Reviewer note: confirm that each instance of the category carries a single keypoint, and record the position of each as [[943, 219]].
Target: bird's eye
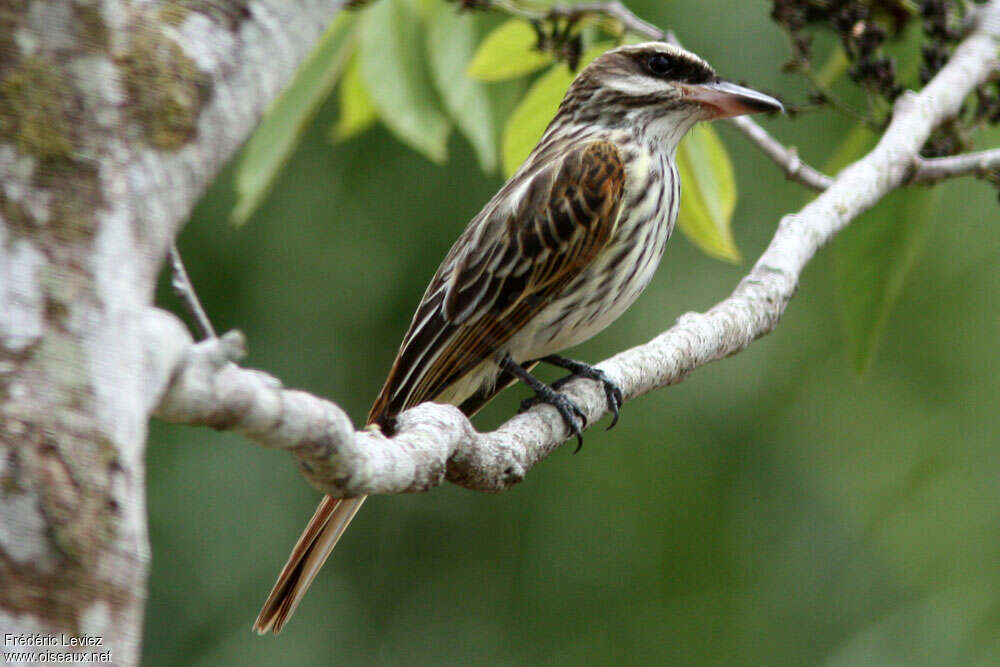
[[659, 64]]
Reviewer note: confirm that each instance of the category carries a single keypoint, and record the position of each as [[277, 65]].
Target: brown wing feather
[[492, 284]]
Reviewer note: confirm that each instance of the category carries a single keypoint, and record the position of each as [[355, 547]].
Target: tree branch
[[786, 158], [925, 170], [932, 170], [613, 10], [436, 442]]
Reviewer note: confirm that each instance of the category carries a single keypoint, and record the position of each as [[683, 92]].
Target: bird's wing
[[502, 272]]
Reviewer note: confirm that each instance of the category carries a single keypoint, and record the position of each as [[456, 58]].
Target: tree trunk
[[114, 116]]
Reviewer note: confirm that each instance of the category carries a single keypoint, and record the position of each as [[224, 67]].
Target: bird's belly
[[599, 295], [585, 307]]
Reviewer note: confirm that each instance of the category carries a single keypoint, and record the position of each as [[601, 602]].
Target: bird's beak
[[722, 99]]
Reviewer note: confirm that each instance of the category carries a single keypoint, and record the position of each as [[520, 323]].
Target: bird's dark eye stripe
[[677, 68]]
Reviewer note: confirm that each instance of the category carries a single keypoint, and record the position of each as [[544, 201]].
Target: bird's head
[[659, 89]]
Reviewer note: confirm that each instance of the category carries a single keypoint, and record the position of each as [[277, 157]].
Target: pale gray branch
[[184, 289], [437, 442], [932, 170], [614, 10], [786, 158], [925, 170]]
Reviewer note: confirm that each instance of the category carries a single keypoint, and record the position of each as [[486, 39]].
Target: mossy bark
[[113, 118]]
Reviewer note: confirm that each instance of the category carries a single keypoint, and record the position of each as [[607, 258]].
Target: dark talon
[[578, 369], [615, 399], [567, 409]]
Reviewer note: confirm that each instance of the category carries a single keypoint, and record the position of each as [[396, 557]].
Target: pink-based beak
[[722, 99]]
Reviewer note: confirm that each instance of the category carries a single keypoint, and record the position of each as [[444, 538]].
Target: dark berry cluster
[[943, 23], [870, 67], [794, 16], [988, 103], [865, 28]]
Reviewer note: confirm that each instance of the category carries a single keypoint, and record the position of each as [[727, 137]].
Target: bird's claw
[[568, 410], [612, 392]]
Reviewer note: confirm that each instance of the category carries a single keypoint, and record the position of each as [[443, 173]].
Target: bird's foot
[[570, 412], [578, 369]]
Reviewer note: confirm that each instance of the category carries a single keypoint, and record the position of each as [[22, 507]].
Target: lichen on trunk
[[111, 125]]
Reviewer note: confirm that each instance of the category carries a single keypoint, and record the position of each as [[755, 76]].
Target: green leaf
[[357, 111], [875, 253], [873, 257], [508, 52], [392, 67], [451, 39], [279, 132], [709, 193], [528, 121]]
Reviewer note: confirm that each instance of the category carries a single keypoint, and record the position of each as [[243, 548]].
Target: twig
[[827, 96], [613, 10], [926, 171], [184, 290], [436, 442], [786, 158], [932, 170]]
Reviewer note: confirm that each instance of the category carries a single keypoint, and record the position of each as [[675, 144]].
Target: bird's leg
[[568, 410], [578, 369]]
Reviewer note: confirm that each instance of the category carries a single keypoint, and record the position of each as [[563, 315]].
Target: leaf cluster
[[424, 67]]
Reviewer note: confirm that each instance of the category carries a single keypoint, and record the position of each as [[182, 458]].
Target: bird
[[563, 248]]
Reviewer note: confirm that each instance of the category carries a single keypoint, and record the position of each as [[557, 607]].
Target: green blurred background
[[775, 508]]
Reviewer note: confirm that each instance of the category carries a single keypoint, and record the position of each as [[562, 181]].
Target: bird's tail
[[317, 541], [332, 518]]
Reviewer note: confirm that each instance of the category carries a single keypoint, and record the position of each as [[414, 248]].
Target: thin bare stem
[[786, 158], [184, 290], [932, 170], [615, 11]]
